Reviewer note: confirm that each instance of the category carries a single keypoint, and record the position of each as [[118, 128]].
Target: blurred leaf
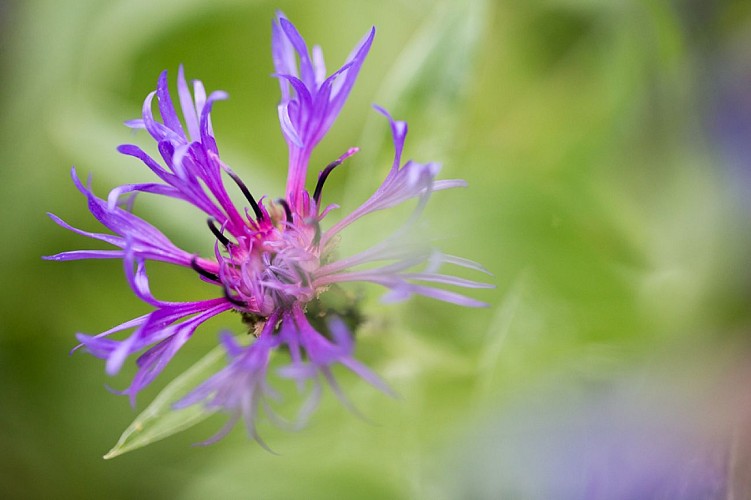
[[428, 83], [495, 338], [159, 420], [434, 69]]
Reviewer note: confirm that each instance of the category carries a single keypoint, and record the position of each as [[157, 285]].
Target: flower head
[[272, 260]]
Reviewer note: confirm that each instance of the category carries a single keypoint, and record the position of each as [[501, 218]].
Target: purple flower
[[273, 261]]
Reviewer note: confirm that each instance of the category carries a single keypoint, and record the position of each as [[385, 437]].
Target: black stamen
[[322, 178], [234, 300], [222, 239], [248, 196], [287, 211], [203, 272]]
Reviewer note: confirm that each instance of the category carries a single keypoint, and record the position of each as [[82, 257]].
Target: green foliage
[[159, 420], [597, 198]]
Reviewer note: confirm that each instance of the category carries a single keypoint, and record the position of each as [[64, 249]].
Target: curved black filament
[[203, 272], [248, 196], [233, 300], [219, 236], [287, 211], [322, 176]]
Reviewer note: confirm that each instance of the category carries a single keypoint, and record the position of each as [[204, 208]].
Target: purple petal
[[399, 134], [283, 53], [187, 105], [307, 74], [150, 187], [135, 151], [207, 137], [310, 102], [166, 109], [85, 254], [288, 129], [146, 239], [111, 239], [156, 359]]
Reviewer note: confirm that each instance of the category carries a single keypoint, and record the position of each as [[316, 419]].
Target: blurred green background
[[607, 150]]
